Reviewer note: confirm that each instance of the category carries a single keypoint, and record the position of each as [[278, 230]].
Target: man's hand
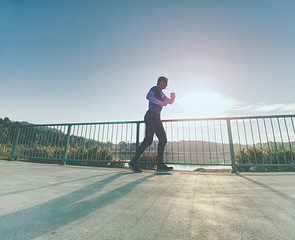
[[172, 95]]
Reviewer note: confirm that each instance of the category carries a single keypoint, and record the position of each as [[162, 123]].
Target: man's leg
[[148, 139], [161, 134]]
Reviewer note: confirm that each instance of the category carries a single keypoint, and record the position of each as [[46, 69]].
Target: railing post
[[12, 158], [64, 161], [137, 135], [231, 146]]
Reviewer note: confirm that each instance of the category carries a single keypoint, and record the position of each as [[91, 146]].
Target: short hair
[[162, 78]]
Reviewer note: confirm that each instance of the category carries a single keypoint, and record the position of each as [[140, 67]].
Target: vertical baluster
[[274, 137], [287, 130], [284, 153], [202, 142], [261, 147], [254, 147], [209, 147], [215, 138], [267, 139]]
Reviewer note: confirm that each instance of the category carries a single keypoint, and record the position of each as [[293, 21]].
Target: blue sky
[[91, 61]]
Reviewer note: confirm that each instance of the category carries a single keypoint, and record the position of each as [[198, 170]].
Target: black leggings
[[153, 125]]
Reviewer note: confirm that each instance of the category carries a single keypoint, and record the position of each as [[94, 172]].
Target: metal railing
[[240, 142], [265, 141]]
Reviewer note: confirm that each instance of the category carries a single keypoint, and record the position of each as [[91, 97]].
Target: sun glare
[[203, 104]]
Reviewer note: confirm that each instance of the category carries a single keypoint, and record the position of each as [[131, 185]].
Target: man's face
[[163, 84]]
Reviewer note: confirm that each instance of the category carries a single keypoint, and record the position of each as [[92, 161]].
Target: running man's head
[[162, 82]]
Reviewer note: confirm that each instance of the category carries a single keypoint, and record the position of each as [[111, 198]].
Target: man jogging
[[152, 119]]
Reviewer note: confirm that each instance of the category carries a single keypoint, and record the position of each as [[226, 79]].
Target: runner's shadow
[[279, 193], [162, 173], [46, 217]]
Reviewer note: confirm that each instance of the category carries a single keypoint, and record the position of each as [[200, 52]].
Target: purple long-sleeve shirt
[[157, 100]]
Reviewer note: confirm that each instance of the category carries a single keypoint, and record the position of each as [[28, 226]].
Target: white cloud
[[269, 108], [263, 108], [289, 107]]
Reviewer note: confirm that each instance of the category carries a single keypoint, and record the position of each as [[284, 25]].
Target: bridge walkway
[[43, 201]]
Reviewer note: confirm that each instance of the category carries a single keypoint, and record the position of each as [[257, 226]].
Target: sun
[[202, 104]]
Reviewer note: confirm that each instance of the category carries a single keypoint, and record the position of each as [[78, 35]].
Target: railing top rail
[[137, 122], [66, 124], [229, 118]]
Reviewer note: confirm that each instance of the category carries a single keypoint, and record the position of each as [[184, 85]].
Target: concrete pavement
[[43, 201]]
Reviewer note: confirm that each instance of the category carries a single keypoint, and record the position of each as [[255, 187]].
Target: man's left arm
[[169, 100]]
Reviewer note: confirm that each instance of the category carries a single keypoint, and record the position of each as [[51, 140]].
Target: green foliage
[[47, 145], [148, 160], [275, 155], [78, 155], [6, 120]]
